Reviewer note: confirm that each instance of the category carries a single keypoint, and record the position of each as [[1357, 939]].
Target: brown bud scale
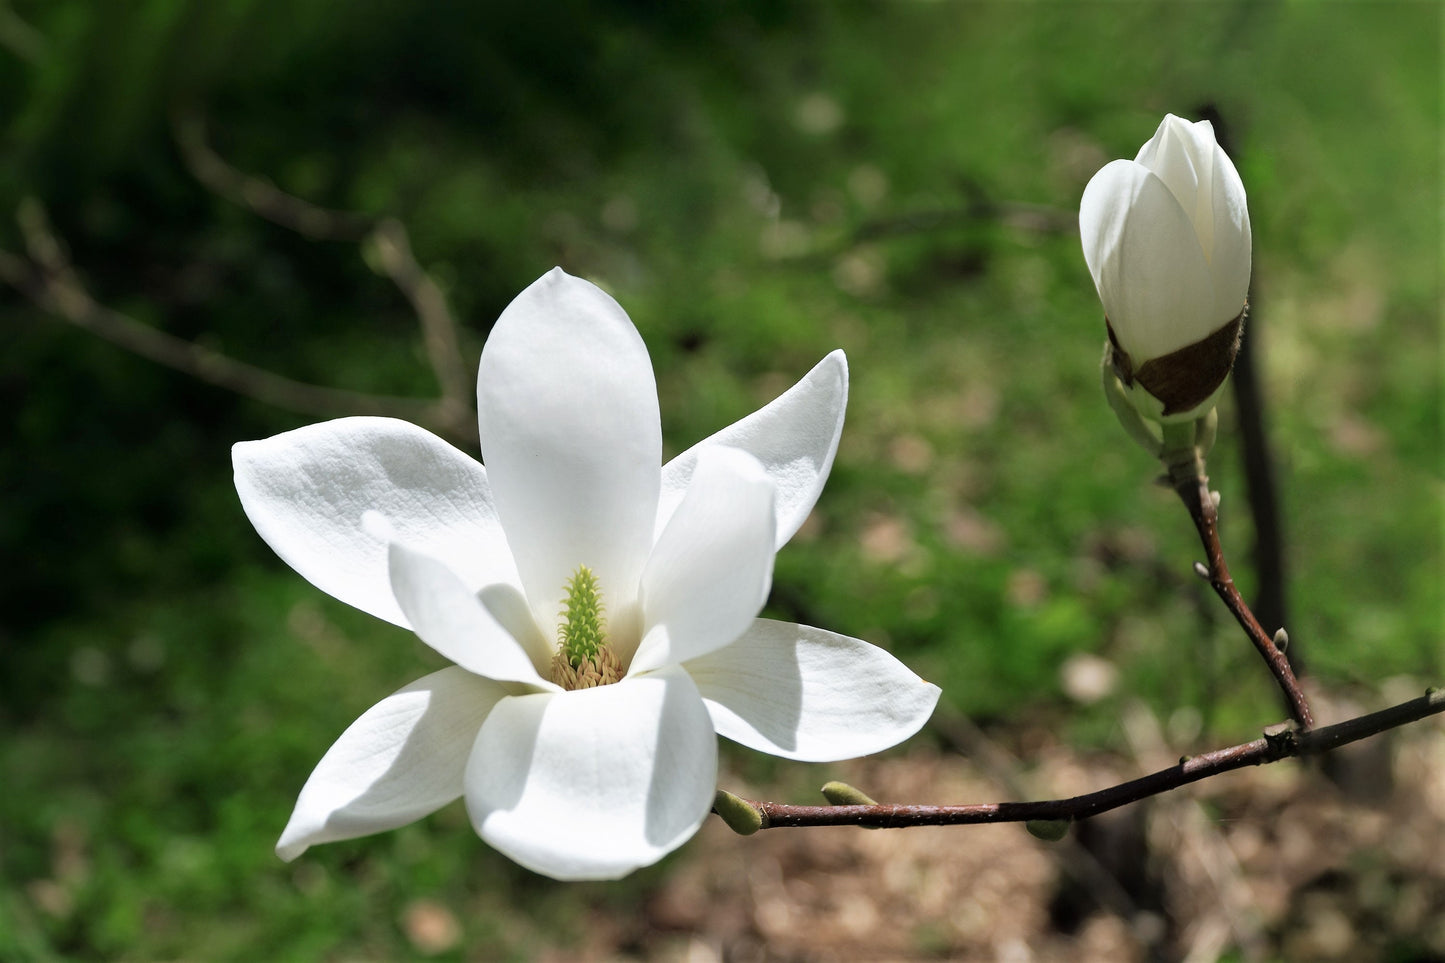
[[1185, 378]]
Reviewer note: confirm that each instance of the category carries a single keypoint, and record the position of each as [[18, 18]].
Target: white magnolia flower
[[600, 607], [1166, 237]]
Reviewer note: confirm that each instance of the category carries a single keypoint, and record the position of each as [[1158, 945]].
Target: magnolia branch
[[47, 279], [1278, 742], [1192, 485], [387, 237]]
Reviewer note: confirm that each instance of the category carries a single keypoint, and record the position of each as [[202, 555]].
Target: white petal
[[306, 491], [710, 572], [402, 759], [571, 436], [595, 783], [455, 622], [1146, 261], [795, 436], [1182, 155], [1230, 260], [803, 693]]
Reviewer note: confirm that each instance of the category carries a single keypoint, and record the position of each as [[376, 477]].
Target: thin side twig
[[387, 236], [258, 195], [48, 280], [1279, 742], [439, 328], [1192, 485]]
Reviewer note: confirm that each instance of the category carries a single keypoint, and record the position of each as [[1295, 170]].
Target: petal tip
[[288, 847], [837, 365], [934, 690]]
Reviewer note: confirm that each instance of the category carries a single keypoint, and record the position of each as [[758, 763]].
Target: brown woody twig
[[387, 237], [48, 279], [1278, 742], [1187, 476]]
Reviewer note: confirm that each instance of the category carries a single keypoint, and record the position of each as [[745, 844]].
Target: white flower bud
[[1166, 237]]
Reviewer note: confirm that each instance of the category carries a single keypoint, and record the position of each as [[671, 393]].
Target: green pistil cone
[[582, 636]]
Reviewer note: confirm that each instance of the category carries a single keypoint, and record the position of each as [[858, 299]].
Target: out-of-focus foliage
[[757, 183]]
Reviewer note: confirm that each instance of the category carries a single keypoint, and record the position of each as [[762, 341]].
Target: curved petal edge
[[400, 760], [795, 436], [710, 572], [307, 490], [809, 694], [570, 799], [572, 437]]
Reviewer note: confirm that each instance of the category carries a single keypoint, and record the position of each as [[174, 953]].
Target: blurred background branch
[[385, 238], [49, 280], [19, 37]]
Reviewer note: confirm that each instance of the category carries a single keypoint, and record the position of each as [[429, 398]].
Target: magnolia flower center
[[583, 658]]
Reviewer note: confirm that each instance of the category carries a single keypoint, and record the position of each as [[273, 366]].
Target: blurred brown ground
[[1299, 862]]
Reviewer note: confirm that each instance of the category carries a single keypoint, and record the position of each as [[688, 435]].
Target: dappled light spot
[[430, 927], [1026, 588], [90, 666], [911, 454], [1086, 678], [1354, 436], [784, 239], [969, 530], [818, 113], [868, 185], [886, 539], [861, 272]]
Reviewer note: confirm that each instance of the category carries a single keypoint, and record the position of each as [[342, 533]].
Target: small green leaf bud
[[741, 816], [842, 794]]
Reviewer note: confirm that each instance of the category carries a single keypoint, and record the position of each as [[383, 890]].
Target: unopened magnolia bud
[[1167, 240]]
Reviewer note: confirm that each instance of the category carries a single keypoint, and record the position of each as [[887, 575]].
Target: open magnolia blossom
[[600, 608], [1167, 240]]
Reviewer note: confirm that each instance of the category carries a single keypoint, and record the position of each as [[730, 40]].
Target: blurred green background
[[757, 183]]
